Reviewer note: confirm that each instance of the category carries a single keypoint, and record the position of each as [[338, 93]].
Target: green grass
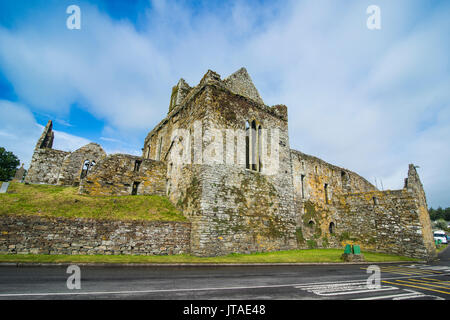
[[441, 247], [291, 256], [57, 201]]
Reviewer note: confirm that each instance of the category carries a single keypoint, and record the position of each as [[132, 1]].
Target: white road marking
[[403, 296], [343, 289], [296, 285], [139, 291], [162, 290], [428, 267]]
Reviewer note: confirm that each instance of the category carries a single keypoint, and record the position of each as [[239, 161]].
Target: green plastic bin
[[348, 249]]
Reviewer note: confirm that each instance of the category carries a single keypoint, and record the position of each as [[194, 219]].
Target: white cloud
[[114, 70], [67, 142], [19, 132], [370, 101]]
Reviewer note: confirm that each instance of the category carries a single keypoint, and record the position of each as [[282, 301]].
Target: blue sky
[[372, 101]]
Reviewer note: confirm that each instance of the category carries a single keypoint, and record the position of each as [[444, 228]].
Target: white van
[[440, 235]]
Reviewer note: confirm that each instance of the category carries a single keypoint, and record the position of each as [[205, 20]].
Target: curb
[[64, 264]]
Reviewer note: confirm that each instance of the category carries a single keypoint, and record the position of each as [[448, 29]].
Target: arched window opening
[[137, 165], [326, 193], [85, 169], [253, 143], [332, 228], [253, 146], [311, 224], [247, 145], [375, 201], [135, 187], [259, 148], [92, 164]]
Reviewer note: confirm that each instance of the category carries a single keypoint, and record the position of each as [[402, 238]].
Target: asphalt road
[[404, 281]]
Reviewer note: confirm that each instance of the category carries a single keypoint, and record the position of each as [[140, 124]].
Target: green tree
[[447, 214], [432, 213], [8, 164], [441, 224]]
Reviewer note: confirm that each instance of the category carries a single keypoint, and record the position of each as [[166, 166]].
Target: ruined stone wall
[[42, 235], [50, 166], [383, 221], [116, 174], [414, 185], [45, 166], [242, 211], [46, 162], [395, 222], [72, 166], [318, 173], [316, 186]]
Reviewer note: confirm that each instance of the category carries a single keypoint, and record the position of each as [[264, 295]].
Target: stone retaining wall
[[42, 235]]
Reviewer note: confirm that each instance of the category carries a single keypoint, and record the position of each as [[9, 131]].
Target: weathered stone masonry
[[51, 166], [236, 203], [43, 235]]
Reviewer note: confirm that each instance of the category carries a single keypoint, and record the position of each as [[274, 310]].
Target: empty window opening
[[159, 149], [375, 200], [311, 224], [259, 148], [302, 177], [253, 146], [137, 165], [316, 170], [148, 152], [247, 145], [253, 143], [332, 227], [84, 169], [344, 178], [135, 187], [326, 193]]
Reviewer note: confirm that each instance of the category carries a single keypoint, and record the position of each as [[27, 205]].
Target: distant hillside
[[57, 201]]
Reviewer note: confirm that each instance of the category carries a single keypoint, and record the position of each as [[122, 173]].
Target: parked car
[[440, 235]]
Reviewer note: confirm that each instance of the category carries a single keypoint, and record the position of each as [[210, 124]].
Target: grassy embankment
[[55, 201], [291, 256]]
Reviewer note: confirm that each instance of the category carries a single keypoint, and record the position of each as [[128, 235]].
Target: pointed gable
[[241, 83]]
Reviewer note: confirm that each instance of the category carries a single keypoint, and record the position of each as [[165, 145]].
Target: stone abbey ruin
[[223, 157]]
